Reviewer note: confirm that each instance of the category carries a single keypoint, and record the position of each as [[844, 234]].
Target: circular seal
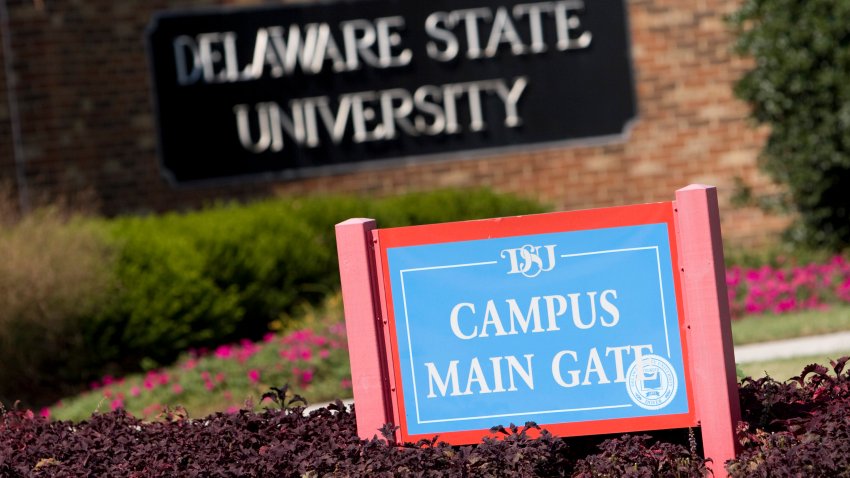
[[653, 385]]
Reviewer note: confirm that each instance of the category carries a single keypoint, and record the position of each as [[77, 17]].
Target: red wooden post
[[708, 324], [363, 324]]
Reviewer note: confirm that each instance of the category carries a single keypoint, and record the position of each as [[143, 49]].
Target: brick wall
[[86, 121], [7, 155]]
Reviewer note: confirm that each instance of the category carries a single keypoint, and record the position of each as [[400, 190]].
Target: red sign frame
[[696, 247], [522, 226]]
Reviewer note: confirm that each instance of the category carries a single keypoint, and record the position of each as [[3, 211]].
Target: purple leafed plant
[[797, 428]]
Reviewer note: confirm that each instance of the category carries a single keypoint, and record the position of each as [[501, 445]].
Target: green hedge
[[201, 278], [198, 279]]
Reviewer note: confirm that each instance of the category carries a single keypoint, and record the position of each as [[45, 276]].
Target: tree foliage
[[800, 87]]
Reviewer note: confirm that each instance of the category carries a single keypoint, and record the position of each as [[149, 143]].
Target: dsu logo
[[528, 261]]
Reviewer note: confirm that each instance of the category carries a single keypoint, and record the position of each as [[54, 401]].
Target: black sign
[[296, 90]]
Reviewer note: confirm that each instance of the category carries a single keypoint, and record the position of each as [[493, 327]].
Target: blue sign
[[554, 328]]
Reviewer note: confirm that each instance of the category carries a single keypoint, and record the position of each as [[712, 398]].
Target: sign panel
[[573, 328], [287, 91]]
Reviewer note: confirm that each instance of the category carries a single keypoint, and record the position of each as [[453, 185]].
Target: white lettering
[[609, 307], [358, 45], [594, 365], [524, 321], [432, 27], [470, 17], [526, 374], [434, 378], [243, 127], [374, 116], [188, 72], [511, 97], [491, 317], [565, 23], [551, 313], [534, 12], [618, 361], [503, 32], [476, 375], [388, 39], [556, 369], [478, 379], [453, 320]]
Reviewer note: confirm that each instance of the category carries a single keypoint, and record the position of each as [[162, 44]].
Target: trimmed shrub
[[204, 278]]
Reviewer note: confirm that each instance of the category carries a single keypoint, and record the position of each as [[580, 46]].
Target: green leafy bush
[[800, 87], [203, 278]]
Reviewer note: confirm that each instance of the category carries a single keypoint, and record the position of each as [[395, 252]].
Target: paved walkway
[[838, 343]]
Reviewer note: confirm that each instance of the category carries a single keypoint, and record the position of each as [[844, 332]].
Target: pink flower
[[223, 351], [299, 335], [269, 337], [177, 389], [44, 413], [254, 375], [788, 287], [116, 404], [232, 409], [785, 305], [134, 391]]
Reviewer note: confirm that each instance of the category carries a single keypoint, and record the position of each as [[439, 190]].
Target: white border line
[[587, 409], [407, 320], [419, 421]]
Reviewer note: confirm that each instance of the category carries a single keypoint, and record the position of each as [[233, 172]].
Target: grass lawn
[[783, 369], [764, 328], [768, 327]]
